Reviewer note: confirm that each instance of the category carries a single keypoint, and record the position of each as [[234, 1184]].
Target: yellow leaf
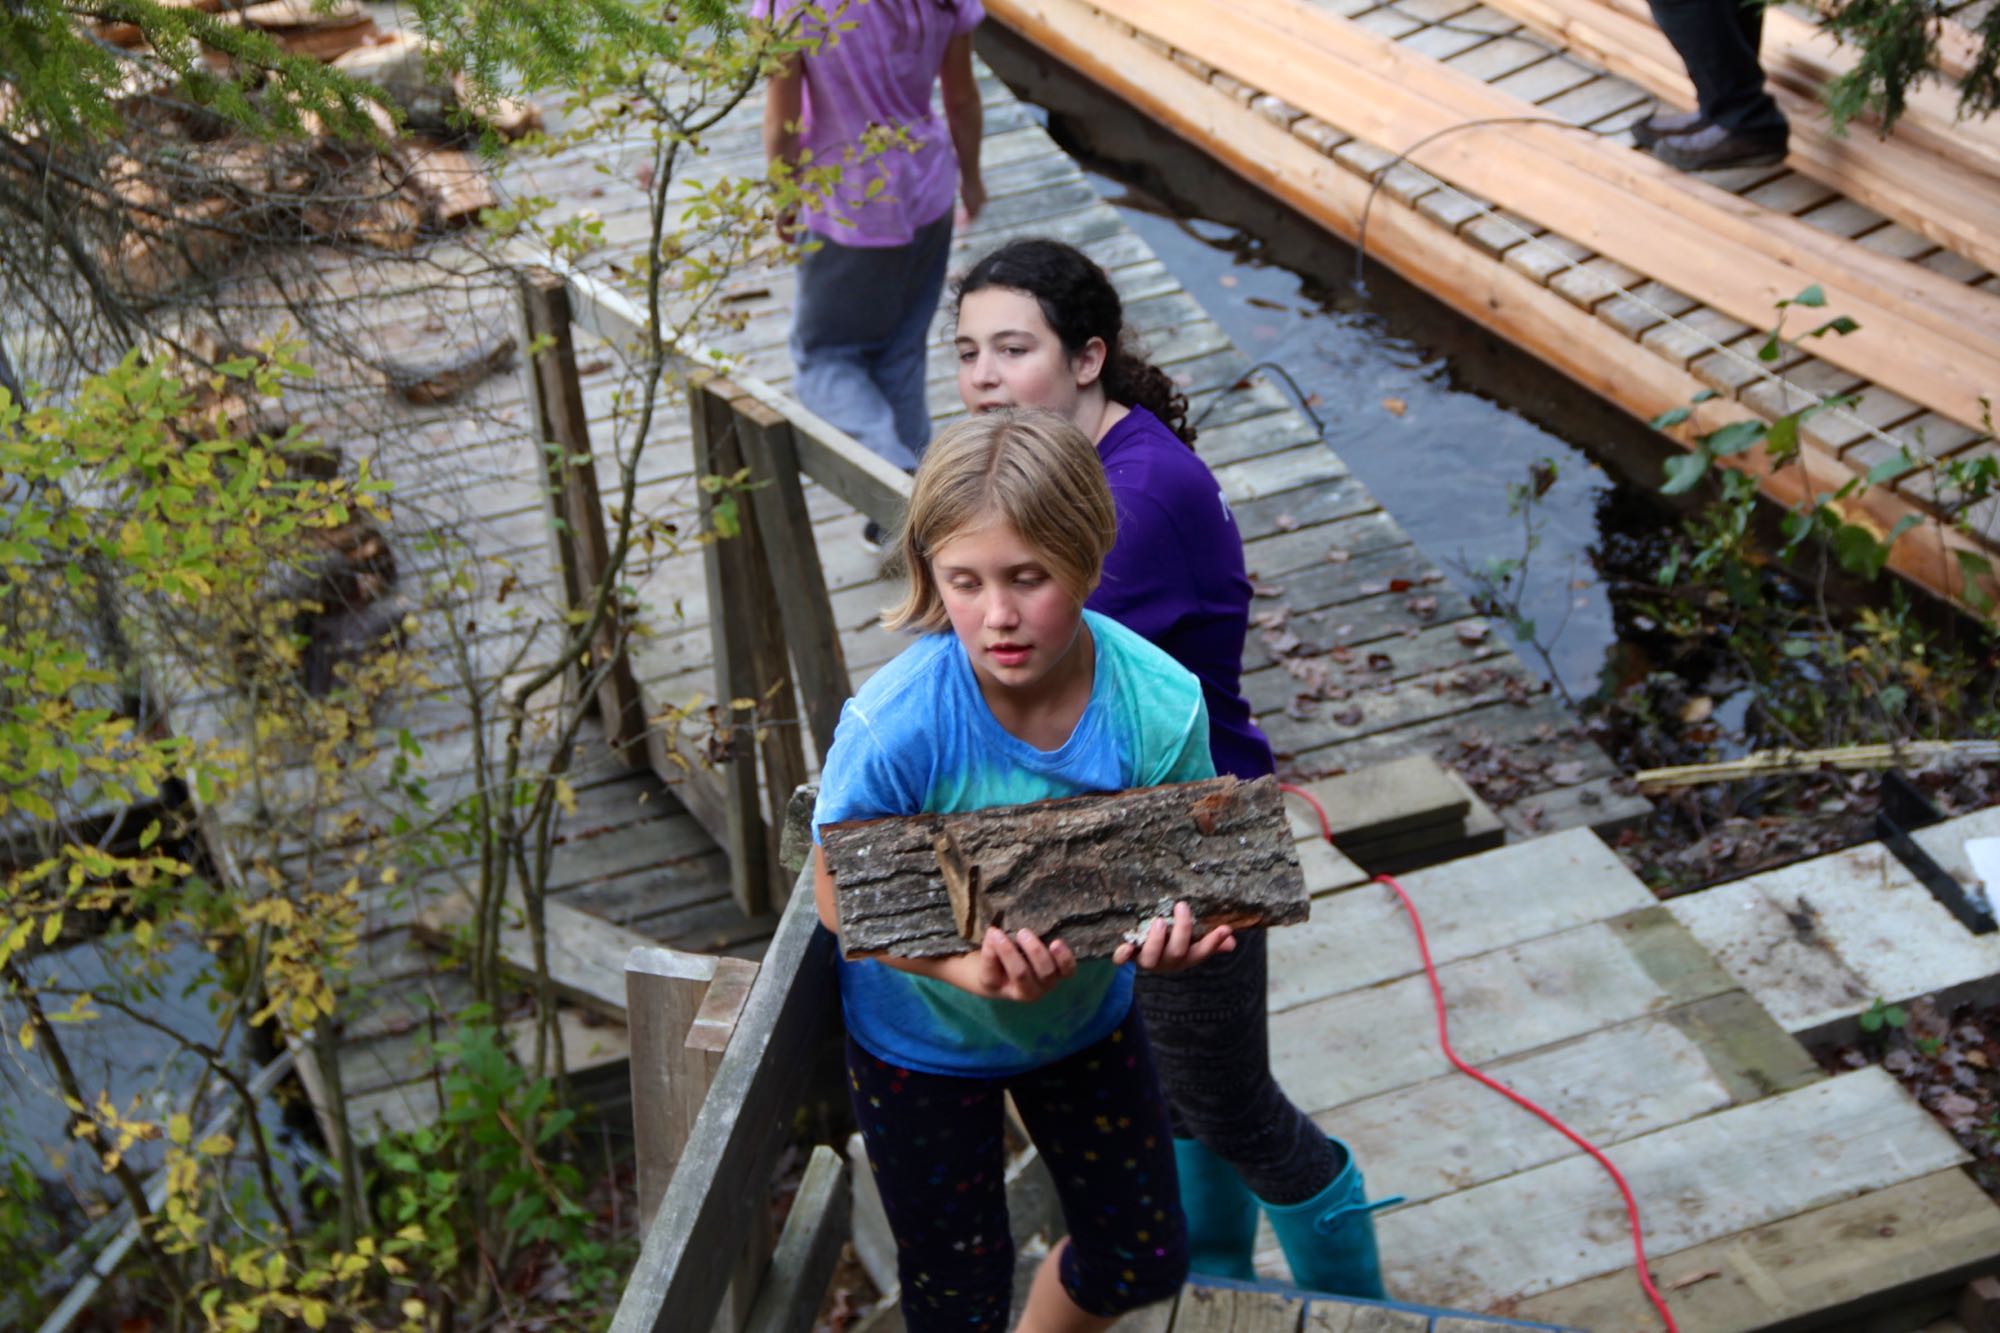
[[314, 1313], [28, 1035], [565, 796], [215, 1145], [179, 1129], [51, 928]]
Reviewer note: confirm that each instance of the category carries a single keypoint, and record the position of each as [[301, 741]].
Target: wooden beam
[[802, 1266], [785, 528], [676, 1284], [1498, 297], [577, 510], [1932, 340], [733, 593]]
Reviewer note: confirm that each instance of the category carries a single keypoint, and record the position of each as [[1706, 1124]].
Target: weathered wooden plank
[[1609, 1085], [1504, 1002], [731, 581], [1092, 870], [789, 1297], [1327, 1316], [1412, 792], [1725, 1173], [1363, 937], [586, 955], [1877, 1251], [1233, 1310], [676, 1284]]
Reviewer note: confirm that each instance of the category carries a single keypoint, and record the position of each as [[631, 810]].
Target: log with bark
[[1093, 871]]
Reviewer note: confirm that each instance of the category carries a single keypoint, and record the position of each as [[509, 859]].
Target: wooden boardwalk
[[1769, 1190], [1644, 285]]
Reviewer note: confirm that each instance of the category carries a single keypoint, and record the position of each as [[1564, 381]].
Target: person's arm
[[965, 115], [1019, 968], [784, 103]]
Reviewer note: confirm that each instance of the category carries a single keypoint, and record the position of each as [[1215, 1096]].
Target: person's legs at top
[[1242, 1141], [899, 366], [1718, 42], [840, 323], [936, 1151], [1101, 1127]]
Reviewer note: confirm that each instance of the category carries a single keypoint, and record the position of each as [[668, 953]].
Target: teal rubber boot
[[1329, 1240], [1221, 1213]]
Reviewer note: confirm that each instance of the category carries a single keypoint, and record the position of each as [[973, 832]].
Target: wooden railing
[[721, 1051], [773, 635]]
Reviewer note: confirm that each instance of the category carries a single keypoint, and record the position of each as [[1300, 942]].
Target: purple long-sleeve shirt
[[1176, 576]]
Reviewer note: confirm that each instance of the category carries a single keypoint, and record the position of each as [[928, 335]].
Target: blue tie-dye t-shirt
[[919, 739]]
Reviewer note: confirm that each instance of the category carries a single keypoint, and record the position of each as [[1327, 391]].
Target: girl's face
[[1017, 622], [1008, 356]]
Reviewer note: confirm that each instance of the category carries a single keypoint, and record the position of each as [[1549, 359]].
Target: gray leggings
[[1207, 1027]]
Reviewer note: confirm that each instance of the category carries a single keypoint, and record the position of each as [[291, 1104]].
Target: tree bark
[[1092, 871]]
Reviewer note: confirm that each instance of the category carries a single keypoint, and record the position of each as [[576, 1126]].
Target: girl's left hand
[[1174, 948]]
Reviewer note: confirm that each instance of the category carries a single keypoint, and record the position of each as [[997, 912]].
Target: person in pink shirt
[[870, 283]]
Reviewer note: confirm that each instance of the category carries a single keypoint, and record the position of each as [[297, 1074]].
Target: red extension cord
[[1444, 1040]]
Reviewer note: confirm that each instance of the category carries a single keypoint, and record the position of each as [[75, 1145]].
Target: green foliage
[[68, 82], [1882, 1014], [1896, 49]]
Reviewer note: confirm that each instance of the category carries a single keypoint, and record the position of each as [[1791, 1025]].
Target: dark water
[[1443, 464]]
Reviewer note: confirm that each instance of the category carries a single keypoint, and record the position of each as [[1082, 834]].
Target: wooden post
[[749, 658], [785, 527], [563, 442], [681, 1011]]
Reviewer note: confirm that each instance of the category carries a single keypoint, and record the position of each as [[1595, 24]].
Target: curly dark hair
[[1079, 303]]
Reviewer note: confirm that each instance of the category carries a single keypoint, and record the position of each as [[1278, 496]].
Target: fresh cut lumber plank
[[1093, 871], [1939, 179], [1712, 1177], [1923, 336], [1500, 299], [1874, 1251]]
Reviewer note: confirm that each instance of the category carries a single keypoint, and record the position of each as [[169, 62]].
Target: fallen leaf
[[1337, 556], [1259, 588], [1395, 406], [1381, 662], [1568, 774], [1425, 607], [1348, 717], [1400, 585], [1282, 642], [1314, 400], [1227, 279], [1471, 632], [1689, 1279], [1697, 709], [1302, 708], [1285, 523]]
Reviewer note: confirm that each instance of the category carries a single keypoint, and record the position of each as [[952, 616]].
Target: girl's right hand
[[1017, 967]]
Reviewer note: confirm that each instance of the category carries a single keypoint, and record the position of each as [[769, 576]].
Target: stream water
[[1438, 456]]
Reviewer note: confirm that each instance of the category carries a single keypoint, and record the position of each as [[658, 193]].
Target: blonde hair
[[1031, 468]]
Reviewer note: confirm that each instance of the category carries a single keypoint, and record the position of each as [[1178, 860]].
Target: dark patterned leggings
[[1208, 1029], [934, 1145]]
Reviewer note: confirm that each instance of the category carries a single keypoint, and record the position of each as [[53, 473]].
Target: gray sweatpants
[[858, 335]]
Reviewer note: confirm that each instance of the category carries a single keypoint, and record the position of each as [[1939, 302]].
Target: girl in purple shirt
[[1040, 325]]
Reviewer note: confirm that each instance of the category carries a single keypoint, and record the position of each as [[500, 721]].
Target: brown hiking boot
[[1664, 124], [1712, 147]]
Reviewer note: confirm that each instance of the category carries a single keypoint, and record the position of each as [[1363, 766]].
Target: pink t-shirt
[[879, 72]]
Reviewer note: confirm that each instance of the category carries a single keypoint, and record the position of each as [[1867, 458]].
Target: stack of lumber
[[1335, 119], [1400, 816]]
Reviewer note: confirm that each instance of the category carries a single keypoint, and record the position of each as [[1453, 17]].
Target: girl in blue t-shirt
[[1040, 325], [1014, 693]]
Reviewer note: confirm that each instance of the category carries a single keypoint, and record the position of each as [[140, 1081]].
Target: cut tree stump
[[1092, 871]]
